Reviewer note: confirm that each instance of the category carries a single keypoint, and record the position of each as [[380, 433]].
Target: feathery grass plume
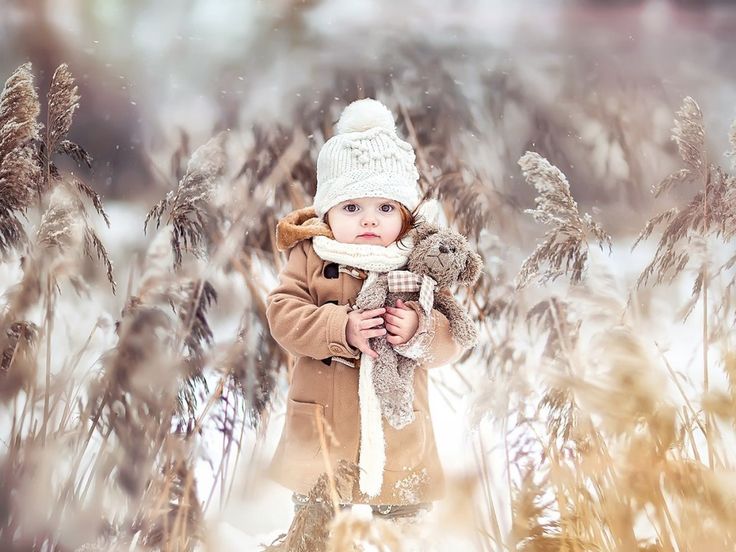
[[279, 157], [189, 299], [17, 364], [565, 441], [63, 100], [138, 391], [65, 227], [61, 230], [551, 316], [179, 524], [188, 207], [689, 134], [440, 137], [732, 140], [536, 527], [253, 373], [710, 212], [566, 243], [624, 375], [19, 175], [19, 110], [25, 159], [193, 314], [20, 170], [131, 409], [194, 298], [278, 171], [310, 528], [139, 399], [54, 254], [722, 403]]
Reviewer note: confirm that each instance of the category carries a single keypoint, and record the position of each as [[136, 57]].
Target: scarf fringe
[[372, 444]]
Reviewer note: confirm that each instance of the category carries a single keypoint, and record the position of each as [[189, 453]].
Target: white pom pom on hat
[[362, 115], [366, 158]]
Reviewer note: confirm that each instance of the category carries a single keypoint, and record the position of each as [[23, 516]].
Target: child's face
[[372, 220]]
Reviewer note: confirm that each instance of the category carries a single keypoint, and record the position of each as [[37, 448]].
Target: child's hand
[[362, 325], [401, 322]]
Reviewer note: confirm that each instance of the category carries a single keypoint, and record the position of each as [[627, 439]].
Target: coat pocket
[[301, 436], [405, 448]]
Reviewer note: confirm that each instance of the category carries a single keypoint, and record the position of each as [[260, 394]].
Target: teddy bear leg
[[385, 371], [399, 403], [402, 413], [394, 385]]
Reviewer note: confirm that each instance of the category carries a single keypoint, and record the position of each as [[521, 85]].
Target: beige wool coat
[[307, 314]]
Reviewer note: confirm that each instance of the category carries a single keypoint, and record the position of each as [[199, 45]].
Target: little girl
[[360, 222]]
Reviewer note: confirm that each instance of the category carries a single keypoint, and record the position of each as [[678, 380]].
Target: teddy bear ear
[[424, 230], [472, 270]]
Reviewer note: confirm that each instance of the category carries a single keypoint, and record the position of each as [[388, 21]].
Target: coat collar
[[302, 224]]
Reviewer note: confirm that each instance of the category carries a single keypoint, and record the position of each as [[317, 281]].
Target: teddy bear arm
[[462, 327]]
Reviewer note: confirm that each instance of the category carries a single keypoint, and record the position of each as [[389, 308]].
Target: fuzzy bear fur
[[444, 255]]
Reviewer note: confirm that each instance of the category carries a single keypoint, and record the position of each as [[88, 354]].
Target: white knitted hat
[[365, 158]]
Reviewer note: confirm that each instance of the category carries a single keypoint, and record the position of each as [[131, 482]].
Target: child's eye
[[387, 208], [351, 207]]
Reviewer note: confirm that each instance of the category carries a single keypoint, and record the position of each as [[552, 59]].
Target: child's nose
[[369, 221]]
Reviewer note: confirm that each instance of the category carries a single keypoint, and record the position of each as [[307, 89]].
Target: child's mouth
[[368, 235]]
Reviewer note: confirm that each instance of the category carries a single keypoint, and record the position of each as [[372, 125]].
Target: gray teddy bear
[[440, 259]]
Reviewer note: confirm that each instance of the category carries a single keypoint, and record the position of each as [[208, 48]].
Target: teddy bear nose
[[443, 248]]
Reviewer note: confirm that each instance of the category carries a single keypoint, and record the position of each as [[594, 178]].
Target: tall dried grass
[[108, 461], [607, 446], [603, 440]]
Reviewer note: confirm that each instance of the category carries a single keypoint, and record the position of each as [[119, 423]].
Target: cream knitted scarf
[[365, 256], [374, 259]]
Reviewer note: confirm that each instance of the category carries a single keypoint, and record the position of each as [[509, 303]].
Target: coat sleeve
[[297, 324], [432, 344]]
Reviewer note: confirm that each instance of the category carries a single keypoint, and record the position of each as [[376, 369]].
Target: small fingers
[[373, 333], [368, 351], [395, 339], [372, 313], [399, 313], [392, 319], [371, 323], [393, 328]]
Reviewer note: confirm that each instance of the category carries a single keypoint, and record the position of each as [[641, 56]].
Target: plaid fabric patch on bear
[[407, 281]]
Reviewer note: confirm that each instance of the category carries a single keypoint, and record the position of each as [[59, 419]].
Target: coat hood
[[302, 224]]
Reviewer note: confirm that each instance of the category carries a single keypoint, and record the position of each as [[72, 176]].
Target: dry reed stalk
[[20, 170], [565, 247], [732, 140], [120, 438], [310, 528], [606, 519], [708, 213], [350, 532], [495, 536], [188, 206]]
